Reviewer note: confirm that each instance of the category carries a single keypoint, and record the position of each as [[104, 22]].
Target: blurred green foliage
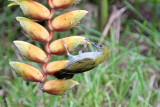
[[130, 78]]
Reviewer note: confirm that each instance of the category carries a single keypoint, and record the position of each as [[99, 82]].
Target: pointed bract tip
[[75, 83], [19, 18], [18, 42], [85, 11], [12, 63], [82, 12]]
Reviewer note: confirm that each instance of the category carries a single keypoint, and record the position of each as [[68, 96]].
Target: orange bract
[[31, 52], [27, 72], [62, 4], [58, 86], [55, 66], [57, 48], [35, 10], [33, 30], [68, 20], [32, 9]]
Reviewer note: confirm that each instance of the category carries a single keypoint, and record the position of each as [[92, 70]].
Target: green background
[[129, 78]]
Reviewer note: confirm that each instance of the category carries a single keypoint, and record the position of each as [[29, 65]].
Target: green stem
[[103, 13]]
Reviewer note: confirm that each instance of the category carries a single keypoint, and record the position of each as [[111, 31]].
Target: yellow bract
[[32, 9], [55, 66], [62, 4], [27, 72], [68, 20], [57, 48], [58, 86], [31, 52], [33, 30]]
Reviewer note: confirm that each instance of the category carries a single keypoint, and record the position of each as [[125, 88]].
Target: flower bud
[[68, 20], [55, 66], [27, 72], [33, 30], [32, 9], [63, 4], [58, 86], [57, 48], [31, 52]]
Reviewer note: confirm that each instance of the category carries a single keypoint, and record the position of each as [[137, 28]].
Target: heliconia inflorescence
[[63, 70]]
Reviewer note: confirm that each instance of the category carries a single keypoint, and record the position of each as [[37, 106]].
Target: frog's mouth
[[93, 44]]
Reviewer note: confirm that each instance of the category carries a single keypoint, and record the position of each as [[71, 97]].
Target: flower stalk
[[51, 33]]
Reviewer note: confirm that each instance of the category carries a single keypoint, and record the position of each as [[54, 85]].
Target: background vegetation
[[130, 77]]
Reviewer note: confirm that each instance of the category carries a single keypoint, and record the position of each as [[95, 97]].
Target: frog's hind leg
[[85, 46]]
